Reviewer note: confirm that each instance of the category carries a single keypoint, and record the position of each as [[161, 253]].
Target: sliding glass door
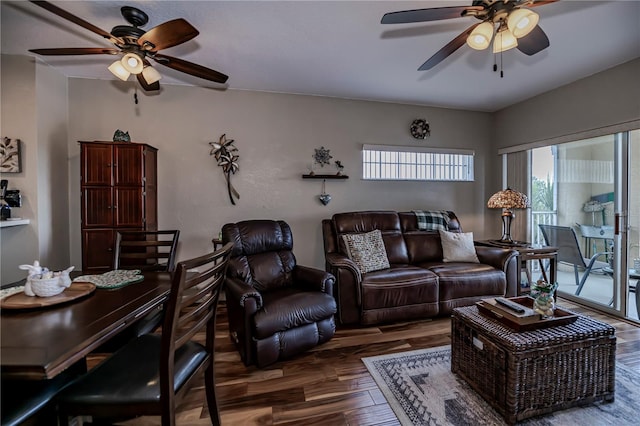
[[585, 197]]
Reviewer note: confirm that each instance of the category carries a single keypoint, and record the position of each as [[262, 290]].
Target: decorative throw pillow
[[458, 247], [429, 220], [366, 250]]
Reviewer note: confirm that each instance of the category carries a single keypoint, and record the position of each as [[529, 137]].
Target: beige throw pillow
[[367, 250], [458, 247]]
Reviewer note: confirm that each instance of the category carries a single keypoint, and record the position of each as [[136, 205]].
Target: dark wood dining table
[[41, 343]]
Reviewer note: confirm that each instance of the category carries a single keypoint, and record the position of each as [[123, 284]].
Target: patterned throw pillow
[[366, 250], [458, 247]]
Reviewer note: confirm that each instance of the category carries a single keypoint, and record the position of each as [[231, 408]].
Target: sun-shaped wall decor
[[322, 156]]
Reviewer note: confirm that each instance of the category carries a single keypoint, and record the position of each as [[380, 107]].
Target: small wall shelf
[[13, 222], [325, 177]]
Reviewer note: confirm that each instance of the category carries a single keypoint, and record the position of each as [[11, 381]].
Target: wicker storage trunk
[[534, 372]]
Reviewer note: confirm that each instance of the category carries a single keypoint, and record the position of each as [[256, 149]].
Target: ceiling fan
[[137, 46], [512, 22]]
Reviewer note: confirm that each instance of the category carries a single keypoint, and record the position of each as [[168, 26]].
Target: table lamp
[[507, 200]]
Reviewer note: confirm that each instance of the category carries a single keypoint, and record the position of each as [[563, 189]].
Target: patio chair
[[565, 239]]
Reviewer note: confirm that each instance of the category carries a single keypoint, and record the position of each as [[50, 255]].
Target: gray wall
[[34, 110], [276, 135]]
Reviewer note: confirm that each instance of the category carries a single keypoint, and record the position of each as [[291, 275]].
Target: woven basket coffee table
[[525, 374]]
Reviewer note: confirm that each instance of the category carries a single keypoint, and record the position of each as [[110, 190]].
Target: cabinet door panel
[[97, 207], [97, 164], [130, 207], [97, 250], [129, 165]]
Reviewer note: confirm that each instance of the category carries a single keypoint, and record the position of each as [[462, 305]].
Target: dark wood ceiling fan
[[137, 46], [510, 20]]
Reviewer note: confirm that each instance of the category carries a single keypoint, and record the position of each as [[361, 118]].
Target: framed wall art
[[10, 161]]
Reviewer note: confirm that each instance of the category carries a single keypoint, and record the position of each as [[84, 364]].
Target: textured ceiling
[[339, 48]]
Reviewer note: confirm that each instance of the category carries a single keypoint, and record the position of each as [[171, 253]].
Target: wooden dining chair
[[146, 250], [150, 374]]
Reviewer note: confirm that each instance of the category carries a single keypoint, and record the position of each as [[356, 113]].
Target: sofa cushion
[[366, 250], [429, 220], [387, 222], [458, 247], [401, 285]]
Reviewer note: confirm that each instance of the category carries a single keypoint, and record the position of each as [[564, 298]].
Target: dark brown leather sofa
[[418, 283]]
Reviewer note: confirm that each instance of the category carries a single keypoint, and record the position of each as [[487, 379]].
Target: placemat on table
[[112, 279]]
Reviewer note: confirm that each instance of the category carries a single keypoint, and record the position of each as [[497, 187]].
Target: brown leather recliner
[[276, 308]]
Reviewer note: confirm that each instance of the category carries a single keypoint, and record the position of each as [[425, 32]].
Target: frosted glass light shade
[[480, 37], [522, 21], [150, 74], [132, 63], [118, 70], [504, 40]]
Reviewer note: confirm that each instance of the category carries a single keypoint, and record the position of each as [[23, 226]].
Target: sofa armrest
[[245, 296], [313, 278], [505, 260], [338, 261]]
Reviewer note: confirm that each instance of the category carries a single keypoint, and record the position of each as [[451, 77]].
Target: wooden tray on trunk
[[560, 317]]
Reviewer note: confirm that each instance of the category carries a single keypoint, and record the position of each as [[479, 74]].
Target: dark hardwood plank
[[330, 385]]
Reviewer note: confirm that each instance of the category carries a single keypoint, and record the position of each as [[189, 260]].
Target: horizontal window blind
[[388, 162]]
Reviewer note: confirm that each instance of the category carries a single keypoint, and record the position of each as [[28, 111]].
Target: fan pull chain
[[135, 95]]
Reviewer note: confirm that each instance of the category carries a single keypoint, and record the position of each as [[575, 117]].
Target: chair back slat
[[146, 250]]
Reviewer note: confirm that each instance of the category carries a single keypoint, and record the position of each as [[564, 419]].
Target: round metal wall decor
[[420, 128]]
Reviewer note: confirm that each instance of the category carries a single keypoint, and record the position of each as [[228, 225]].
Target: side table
[[526, 253]]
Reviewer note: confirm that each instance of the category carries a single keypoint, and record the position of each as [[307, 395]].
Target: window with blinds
[[388, 162]]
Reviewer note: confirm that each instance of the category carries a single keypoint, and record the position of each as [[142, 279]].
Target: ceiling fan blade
[[540, 3], [533, 42], [76, 51], [70, 17], [424, 15], [146, 86], [190, 68], [166, 35], [447, 50]]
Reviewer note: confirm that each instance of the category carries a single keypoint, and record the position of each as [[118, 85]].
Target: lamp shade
[[480, 37], [132, 63], [504, 40], [119, 71], [522, 21], [508, 199], [150, 74]]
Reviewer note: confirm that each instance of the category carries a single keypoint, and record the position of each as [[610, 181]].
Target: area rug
[[422, 390]]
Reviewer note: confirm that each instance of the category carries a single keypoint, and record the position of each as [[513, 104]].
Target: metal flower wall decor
[[226, 156]]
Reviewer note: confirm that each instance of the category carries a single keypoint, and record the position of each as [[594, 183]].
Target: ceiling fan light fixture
[[119, 71], [522, 21], [480, 37], [150, 74], [132, 63], [504, 40]]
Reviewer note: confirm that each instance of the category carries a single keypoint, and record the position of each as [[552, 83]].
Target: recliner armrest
[[314, 278], [242, 291]]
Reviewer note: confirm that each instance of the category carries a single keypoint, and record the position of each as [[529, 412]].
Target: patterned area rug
[[422, 390]]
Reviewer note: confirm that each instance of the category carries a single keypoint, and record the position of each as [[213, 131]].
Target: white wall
[[276, 135]]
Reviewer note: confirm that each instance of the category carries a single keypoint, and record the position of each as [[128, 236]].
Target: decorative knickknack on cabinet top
[[120, 136], [227, 158]]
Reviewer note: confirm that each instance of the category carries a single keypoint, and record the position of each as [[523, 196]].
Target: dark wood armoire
[[118, 191]]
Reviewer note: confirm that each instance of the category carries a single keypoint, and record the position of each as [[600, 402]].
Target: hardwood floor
[[330, 385]]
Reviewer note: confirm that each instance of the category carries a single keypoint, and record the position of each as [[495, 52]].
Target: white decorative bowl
[[47, 287]]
